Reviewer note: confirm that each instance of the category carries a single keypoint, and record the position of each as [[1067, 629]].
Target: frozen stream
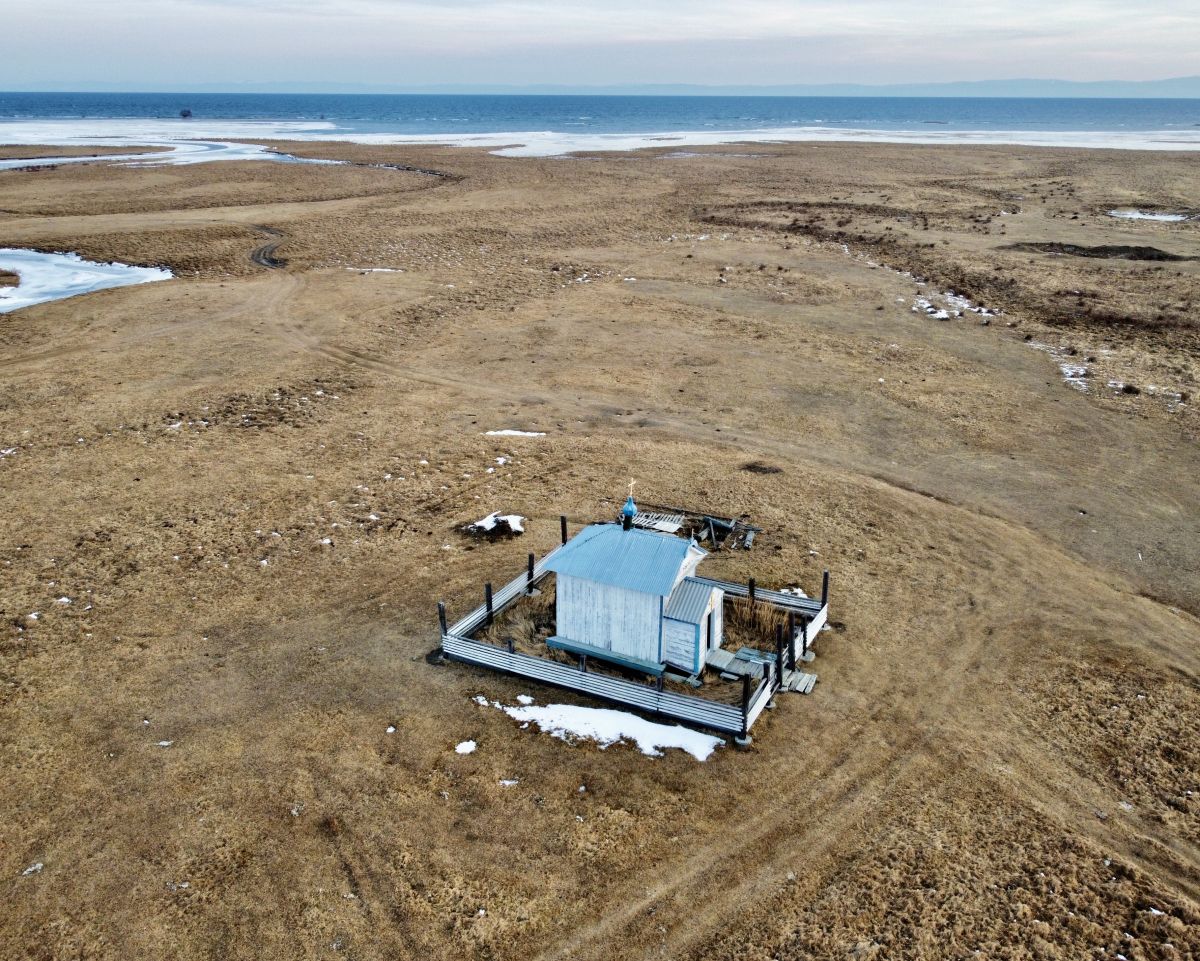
[[46, 277]]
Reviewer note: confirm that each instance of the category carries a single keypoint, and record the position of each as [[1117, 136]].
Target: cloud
[[750, 41]]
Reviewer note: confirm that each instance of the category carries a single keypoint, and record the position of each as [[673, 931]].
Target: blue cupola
[[629, 511]]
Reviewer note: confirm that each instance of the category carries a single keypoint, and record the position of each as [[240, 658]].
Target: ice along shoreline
[[191, 142], [49, 277]]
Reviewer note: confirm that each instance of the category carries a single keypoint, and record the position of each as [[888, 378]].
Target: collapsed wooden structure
[[762, 674]]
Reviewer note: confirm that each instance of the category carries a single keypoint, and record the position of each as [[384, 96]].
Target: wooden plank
[[719, 658], [575, 647], [815, 625]]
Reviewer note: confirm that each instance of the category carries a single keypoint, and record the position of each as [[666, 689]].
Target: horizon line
[[1180, 87]]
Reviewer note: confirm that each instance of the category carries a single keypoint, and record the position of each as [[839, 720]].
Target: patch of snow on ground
[[509, 432], [515, 522], [465, 747], [606, 726], [35, 868], [524, 699], [1148, 215], [1074, 374], [937, 313], [46, 277]]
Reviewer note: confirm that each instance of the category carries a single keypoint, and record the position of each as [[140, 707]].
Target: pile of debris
[[497, 525], [708, 530]]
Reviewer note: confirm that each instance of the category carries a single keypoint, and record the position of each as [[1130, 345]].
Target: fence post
[[529, 587], [562, 526], [750, 585], [779, 653], [487, 600], [442, 617], [804, 628], [825, 589], [745, 705], [792, 640]]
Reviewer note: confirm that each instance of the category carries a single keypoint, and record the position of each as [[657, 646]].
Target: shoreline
[[193, 141]]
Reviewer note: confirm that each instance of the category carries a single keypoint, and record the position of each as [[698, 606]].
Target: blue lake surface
[[466, 114]]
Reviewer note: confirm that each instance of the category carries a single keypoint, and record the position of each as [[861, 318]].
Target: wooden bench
[[652, 668]]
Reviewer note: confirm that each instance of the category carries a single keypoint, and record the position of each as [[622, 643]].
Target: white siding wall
[[679, 644], [618, 620], [718, 620]]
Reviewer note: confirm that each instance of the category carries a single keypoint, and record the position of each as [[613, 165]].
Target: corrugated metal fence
[[693, 710]]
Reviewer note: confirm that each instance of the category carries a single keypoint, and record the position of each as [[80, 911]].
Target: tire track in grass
[[264, 254]]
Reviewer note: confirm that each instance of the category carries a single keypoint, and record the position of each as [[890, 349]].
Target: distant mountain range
[[1174, 88]]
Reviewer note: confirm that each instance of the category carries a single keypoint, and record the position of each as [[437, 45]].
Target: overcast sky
[[148, 44]]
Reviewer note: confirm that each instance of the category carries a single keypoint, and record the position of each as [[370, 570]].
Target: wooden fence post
[[442, 617], [487, 600], [750, 585], [791, 640], [804, 627], [530, 583], [779, 653], [562, 526], [825, 589]]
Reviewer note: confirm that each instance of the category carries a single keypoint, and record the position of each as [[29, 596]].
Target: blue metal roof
[[635, 559], [689, 601]]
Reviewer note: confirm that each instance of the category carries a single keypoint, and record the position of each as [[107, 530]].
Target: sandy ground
[[1000, 758]]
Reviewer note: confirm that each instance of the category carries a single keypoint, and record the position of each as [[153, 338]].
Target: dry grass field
[[233, 500]]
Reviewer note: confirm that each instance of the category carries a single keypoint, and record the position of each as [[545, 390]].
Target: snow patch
[[606, 727], [465, 747], [498, 522], [1148, 215], [509, 432]]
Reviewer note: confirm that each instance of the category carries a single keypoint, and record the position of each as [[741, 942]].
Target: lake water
[[454, 114]]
